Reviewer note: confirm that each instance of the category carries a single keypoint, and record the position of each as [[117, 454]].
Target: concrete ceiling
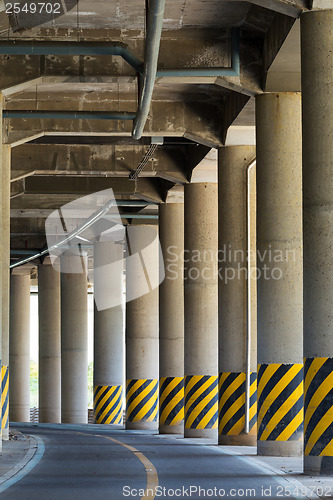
[[57, 160]]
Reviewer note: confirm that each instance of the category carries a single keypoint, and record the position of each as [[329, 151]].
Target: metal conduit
[[69, 115], [70, 236], [71, 49], [154, 30], [152, 46]]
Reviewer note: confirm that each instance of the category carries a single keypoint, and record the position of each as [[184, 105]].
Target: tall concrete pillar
[[279, 235], [201, 310], [142, 367], [171, 317], [108, 333], [19, 347], [317, 101], [74, 341], [237, 340], [5, 239], [49, 344]]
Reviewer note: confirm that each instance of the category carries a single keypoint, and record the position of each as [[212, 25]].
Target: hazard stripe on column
[[108, 404], [232, 388], [201, 402], [280, 402], [142, 400], [318, 406], [171, 400]]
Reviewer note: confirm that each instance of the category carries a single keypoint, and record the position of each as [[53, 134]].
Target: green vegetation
[[90, 384], [33, 384]]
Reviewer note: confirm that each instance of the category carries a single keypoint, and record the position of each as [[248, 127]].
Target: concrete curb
[[24, 466]]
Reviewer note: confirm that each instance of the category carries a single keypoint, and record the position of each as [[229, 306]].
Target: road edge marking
[[281, 478], [22, 468], [152, 476]]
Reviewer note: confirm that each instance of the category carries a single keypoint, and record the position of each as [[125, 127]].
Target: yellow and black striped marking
[[108, 404], [142, 400], [201, 402], [4, 397], [171, 400], [232, 388], [318, 406], [280, 402]]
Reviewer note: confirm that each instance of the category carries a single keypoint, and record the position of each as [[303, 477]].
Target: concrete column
[[49, 344], [19, 347], [236, 383], [317, 99], [279, 235], [142, 269], [201, 310], [5, 239], [171, 217], [108, 333], [74, 342]]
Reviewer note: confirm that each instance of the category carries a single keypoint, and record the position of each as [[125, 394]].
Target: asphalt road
[[113, 465]]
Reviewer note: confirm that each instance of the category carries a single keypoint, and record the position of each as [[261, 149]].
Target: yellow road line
[[152, 476]]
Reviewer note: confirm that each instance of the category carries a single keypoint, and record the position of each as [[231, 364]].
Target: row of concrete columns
[[214, 294], [62, 346]]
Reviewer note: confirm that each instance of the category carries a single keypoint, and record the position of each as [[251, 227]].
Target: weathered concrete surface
[[142, 325], [200, 291], [19, 348], [48, 191], [5, 261], [49, 344], [74, 341], [108, 321], [233, 282], [317, 101], [104, 160], [171, 299], [174, 119], [279, 239]]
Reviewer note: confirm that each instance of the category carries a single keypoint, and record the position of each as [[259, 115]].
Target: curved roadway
[[97, 464]]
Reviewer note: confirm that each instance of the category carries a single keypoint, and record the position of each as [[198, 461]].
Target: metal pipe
[[137, 216], [154, 30], [234, 69], [70, 236], [68, 115], [249, 312], [71, 49], [152, 45], [33, 254]]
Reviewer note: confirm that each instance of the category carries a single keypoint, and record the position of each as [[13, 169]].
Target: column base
[[201, 433], [5, 434], [315, 466], [74, 418], [172, 429], [240, 440], [19, 414], [142, 426], [280, 448], [49, 417]]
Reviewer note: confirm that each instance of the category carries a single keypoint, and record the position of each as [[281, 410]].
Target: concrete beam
[[233, 105], [203, 48], [274, 39], [292, 8], [197, 121], [197, 51], [110, 160], [321, 4], [284, 73], [148, 189]]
